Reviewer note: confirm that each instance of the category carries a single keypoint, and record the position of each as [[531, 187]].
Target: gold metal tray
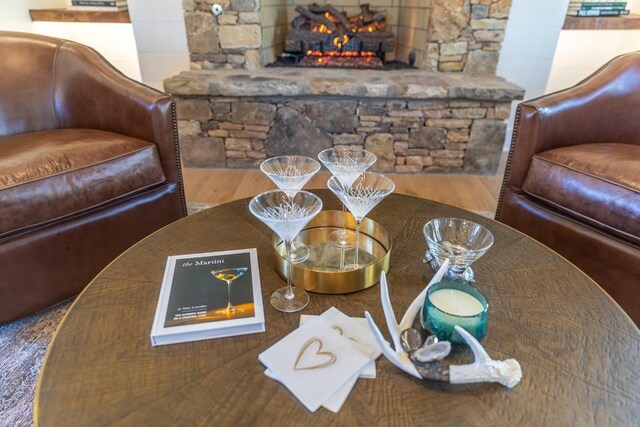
[[321, 273]]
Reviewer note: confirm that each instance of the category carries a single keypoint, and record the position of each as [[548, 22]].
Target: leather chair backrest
[[26, 83]]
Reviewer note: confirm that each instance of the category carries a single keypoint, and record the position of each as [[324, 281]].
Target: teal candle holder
[[455, 303]]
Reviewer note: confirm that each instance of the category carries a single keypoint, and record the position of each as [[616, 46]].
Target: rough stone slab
[[438, 114], [238, 144], [482, 61], [189, 127], [348, 139], [488, 24], [293, 133], [406, 113], [382, 146], [333, 116], [428, 137], [219, 133], [235, 154], [257, 128], [447, 154], [244, 5], [485, 146], [453, 48], [257, 154], [202, 152], [469, 113], [231, 126], [253, 113], [247, 134], [446, 162], [448, 18], [280, 82], [489, 36], [202, 36], [449, 123], [240, 36], [193, 109]]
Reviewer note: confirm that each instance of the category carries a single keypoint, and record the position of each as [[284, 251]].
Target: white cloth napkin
[[314, 362]]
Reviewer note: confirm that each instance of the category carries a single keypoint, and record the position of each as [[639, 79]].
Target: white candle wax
[[456, 302]]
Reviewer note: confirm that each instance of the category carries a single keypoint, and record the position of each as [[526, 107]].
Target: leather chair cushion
[[595, 183], [48, 175]]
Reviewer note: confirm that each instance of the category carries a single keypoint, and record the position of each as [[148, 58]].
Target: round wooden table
[[578, 350]]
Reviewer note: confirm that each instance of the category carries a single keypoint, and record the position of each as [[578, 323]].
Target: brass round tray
[[321, 273]]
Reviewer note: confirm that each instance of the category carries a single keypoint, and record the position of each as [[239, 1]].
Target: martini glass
[[286, 216], [360, 197], [229, 275], [346, 164], [291, 173]]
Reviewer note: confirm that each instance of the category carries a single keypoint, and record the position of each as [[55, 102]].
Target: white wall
[[115, 42], [581, 52], [527, 54], [161, 39]]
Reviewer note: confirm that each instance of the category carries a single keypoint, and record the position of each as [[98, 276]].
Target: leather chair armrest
[[602, 108], [90, 93]]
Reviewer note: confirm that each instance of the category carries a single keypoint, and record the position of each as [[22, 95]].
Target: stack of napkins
[[321, 361]]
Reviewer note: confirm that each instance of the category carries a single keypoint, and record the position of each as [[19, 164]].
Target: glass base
[[280, 302], [299, 252], [352, 267], [343, 238], [454, 275]]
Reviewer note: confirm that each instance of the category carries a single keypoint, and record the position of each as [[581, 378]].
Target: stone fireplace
[[447, 115]]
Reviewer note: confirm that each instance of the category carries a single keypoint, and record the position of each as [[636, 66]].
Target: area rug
[[23, 345]]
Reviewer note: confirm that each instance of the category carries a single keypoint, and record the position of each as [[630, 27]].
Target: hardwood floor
[[471, 192]]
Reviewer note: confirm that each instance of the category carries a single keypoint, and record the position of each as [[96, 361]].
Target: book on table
[[209, 295]]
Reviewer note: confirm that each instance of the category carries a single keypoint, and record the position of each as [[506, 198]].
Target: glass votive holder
[[455, 303]]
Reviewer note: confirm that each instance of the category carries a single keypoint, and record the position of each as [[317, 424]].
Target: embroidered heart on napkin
[[323, 362]]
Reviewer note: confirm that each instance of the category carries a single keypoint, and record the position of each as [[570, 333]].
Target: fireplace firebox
[[323, 36]]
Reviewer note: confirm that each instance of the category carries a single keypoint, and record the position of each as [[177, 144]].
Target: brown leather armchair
[[573, 177], [89, 164]]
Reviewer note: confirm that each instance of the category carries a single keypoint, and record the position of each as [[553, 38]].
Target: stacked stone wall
[[466, 35], [444, 135]]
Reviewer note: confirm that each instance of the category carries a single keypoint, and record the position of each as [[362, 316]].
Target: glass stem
[[229, 306], [289, 294], [355, 262], [343, 232]]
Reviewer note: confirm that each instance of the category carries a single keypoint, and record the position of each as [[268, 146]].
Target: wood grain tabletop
[[579, 352]]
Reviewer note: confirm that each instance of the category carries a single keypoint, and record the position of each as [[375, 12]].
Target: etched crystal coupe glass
[[286, 216], [360, 197], [346, 164], [291, 173], [228, 275]]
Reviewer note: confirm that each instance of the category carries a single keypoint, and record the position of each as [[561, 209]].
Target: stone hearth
[[414, 121]]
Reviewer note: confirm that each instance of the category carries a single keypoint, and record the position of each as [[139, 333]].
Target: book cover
[[209, 295]]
